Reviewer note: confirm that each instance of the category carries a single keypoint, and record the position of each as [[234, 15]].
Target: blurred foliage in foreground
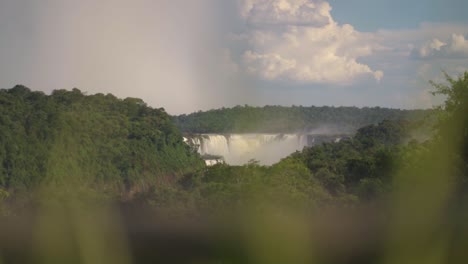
[[379, 197]]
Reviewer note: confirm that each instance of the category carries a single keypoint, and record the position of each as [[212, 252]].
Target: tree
[[452, 126], [453, 120]]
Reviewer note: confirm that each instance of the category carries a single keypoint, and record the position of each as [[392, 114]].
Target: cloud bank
[[455, 48], [298, 40], [197, 55]]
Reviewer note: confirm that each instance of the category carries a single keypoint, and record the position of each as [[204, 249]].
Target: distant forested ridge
[[95, 140], [122, 146], [280, 119]]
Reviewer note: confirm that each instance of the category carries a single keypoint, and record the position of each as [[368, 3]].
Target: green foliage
[[429, 198], [387, 133], [3, 197], [361, 166], [453, 121], [124, 146], [110, 143], [288, 184], [96, 141], [279, 119]]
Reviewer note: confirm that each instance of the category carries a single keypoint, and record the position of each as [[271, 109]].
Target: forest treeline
[[124, 146], [130, 151], [86, 140], [372, 165], [348, 172], [281, 119], [124, 149]]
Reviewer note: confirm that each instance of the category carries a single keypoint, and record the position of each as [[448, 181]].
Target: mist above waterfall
[[238, 149]]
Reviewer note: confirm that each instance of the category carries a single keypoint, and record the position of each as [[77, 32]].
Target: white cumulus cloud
[[298, 40], [430, 47], [456, 47], [298, 12]]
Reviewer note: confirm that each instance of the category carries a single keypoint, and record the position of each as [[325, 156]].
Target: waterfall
[[214, 145], [237, 149]]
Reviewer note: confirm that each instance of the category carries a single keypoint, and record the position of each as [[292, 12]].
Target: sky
[[187, 56]]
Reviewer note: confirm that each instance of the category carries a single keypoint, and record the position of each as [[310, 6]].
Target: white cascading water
[[237, 149]]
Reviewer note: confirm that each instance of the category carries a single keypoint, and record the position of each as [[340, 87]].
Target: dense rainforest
[[132, 151], [295, 119], [71, 152], [355, 170], [90, 141], [126, 149]]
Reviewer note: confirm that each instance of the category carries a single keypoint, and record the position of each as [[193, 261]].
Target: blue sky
[[197, 55], [371, 15]]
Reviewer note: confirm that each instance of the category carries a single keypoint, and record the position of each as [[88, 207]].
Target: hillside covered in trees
[[123, 148], [415, 191], [126, 149], [97, 140], [295, 119]]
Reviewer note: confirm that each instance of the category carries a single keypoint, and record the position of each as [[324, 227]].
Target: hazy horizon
[[231, 106], [191, 56]]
